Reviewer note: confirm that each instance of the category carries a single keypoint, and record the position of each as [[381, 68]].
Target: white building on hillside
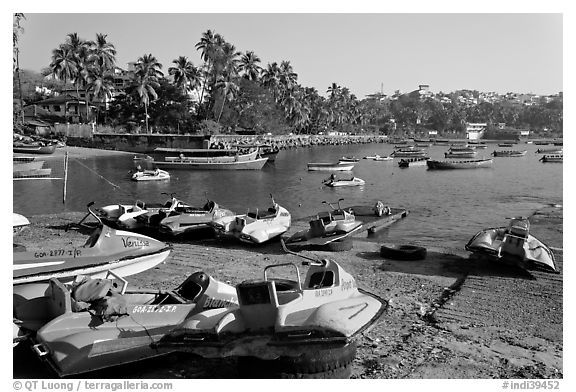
[[474, 131]]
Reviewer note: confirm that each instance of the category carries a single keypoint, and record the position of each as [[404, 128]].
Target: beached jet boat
[[125, 253], [327, 227], [186, 219], [297, 328], [513, 244], [255, 227], [91, 324], [19, 222]]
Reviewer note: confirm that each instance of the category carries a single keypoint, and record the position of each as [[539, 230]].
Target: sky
[[367, 52]]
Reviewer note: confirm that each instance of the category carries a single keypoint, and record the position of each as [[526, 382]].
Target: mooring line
[[105, 179]]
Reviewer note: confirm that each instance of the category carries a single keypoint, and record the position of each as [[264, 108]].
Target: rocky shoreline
[[450, 316]]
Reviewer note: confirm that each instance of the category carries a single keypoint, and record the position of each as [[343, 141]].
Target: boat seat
[[60, 301], [326, 217]]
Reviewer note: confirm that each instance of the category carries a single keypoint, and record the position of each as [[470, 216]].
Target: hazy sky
[[365, 52]]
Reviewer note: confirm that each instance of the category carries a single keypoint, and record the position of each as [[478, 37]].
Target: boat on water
[[150, 175], [408, 154], [550, 151], [327, 166], [33, 148], [327, 227], [349, 159], [125, 253], [417, 161], [460, 154], [541, 142], [477, 145], [210, 159], [459, 164], [411, 148], [462, 148], [335, 182], [552, 158], [307, 327], [505, 144], [264, 150], [255, 227], [509, 153], [442, 142], [513, 244], [423, 145], [92, 324], [379, 158]]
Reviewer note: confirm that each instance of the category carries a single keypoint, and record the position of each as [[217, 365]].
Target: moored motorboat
[[354, 181], [302, 329], [509, 153], [460, 154], [326, 166], [211, 159], [125, 253], [505, 144], [349, 159], [552, 158], [150, 175], [459, 164], [255, 227], [408, 154], [417, 161], [379, 158], [513, 244], [90, 324]]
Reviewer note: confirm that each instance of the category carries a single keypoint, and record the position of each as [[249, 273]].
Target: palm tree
[[103, 52], [64, 66], [81, 52], [146, 75], [229, 91], [249, 66], [186, 75], [271, 78], [17, 30], [101, 82], [288, 77], [208, 46]]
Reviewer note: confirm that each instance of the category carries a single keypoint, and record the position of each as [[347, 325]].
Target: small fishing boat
[[379, 158], [407, 162], [354, 181], [477, 145], [150, 175], [460, 154], [93, 324], [408, 154], [541, 142], [462, 147], [255, 227], [442, 142], [408, 149], [325, 166], [307, 327], [459, 164], [550, 151], [423, 145], [349, 159], [509, 153], [327, 227], [505, 144], [125, 253], [33, 148], [264, 150], [552, 158], [513, 244]]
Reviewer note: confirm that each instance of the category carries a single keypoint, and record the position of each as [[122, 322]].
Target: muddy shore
[[450, 316]]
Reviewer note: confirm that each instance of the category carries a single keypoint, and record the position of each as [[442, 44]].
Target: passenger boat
[[408, 154], [460, 154], [255, 227], [125, 253], [407, 162], [310, 327], [509, 153], [91, 324], [150, 175], [513, 244], [210, 159], [379, 158], [354, 181], [33, 148], [326, 166], [552, 158], [327, 227], [549, 151], [459, 164]]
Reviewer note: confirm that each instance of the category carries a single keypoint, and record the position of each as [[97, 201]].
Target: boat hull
[[255, 164], [463, 164], [46, 150], [344, 166]]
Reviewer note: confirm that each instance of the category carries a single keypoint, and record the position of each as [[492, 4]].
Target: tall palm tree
[[229, 91], [64, 66], [146, 75], [249, 66], [288, 77], [101, 82], [271, 78], [186, 75], [208, 46], [103, 52], [17, 30], [81, 51]]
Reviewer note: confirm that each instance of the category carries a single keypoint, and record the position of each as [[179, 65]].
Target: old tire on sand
[[403, 252]]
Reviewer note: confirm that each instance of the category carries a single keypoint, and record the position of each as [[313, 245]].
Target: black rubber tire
[[325, 362], [339, 245], [403, 252]]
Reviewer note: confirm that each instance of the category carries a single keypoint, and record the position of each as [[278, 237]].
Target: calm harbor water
[[446, 207]]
